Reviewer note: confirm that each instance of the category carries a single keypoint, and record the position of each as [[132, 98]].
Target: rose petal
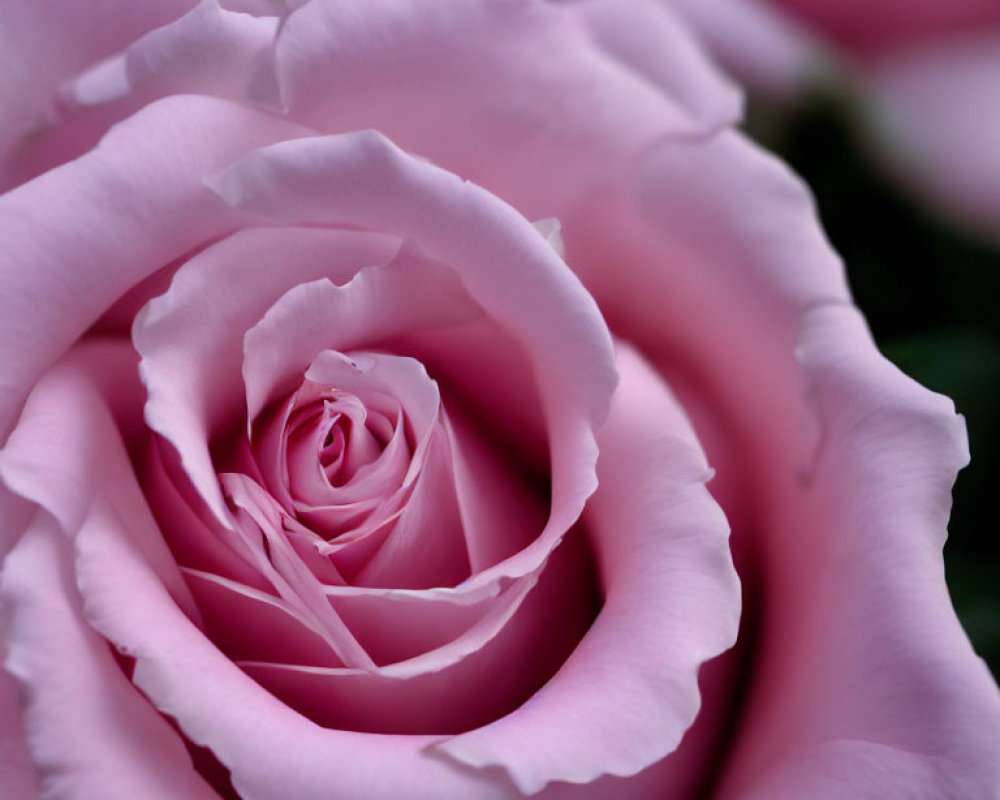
[[67, 450], [824, 566], [271, 750], [868, 687], [247, 623], [500, 511], [197, 540], [649, 38], [426, 546], [629, 690], [42, 42], [767, 50], [191, 337], [173, 59], [717, 230], [90, 732], [77, 237], [483, 66], [505, 265], [378, 304], [468, 681], [18, 779]]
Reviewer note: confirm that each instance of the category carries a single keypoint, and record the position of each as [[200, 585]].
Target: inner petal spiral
[[359, 455]]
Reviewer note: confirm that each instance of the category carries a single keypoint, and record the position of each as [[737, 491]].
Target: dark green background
[[931, 294]]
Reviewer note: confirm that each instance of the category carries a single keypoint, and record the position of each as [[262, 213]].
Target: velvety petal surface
[[868, 687], [830, 464], [648, 37], [79, 236], [210, 50], [767, 50], [484, 66], [43, 43], [18, 779], [90, 732], [191, 337], [629, 690], [503, 262]]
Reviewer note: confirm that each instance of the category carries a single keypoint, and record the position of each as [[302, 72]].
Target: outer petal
[[209, 50], [18, 780], [936, 115], [629, 690], [767, 50], [838, 498], [43, 42], [78, 237], [868, 686], [402, 68], [90, 733], [651, 40]]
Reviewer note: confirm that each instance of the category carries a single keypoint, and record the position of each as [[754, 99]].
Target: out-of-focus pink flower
[[927, 73]]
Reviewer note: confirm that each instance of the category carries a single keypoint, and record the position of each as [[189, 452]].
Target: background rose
[[833, 468], [924, 74]]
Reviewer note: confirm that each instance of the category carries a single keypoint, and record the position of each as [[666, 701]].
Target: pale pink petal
[[825, 491], [16, 512], [78, 237], [377, 305], [197, 540], [43, 42], [18, 780], [89, 731], [628, 692], [867, 686], [524, 636], [500, 509], [716, 231], [246, 623], [526, 94], [191, 337], [67, 450], [767, 50], [396, 625], [258, 520], [649, 38], [272, 751], [935, 114], [426, 546], [505, 264], [210, 50]]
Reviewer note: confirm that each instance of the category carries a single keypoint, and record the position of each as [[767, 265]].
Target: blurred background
[[931, 294]]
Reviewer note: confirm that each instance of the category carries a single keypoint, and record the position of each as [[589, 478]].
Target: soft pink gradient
[[874, 25], [320, 456]]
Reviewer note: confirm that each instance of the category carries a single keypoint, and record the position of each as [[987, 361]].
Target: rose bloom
[[926, 73], [443, 400]]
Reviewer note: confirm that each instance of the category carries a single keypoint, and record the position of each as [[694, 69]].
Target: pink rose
[[926, 71], [324, 477]]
